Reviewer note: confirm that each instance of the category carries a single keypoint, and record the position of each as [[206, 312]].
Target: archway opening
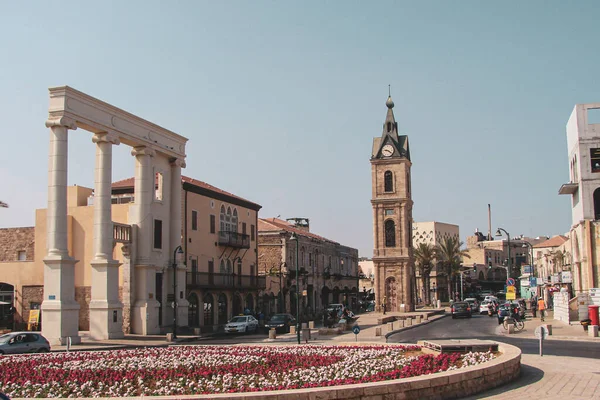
[[237, 304], [193, 315], [208, 308], [222, 313], [250, 303]]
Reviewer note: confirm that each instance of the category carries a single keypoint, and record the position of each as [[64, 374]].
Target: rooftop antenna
[[389, 90]]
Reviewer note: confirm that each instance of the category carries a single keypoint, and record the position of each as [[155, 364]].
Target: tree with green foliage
[[451, 255], [425, 256]]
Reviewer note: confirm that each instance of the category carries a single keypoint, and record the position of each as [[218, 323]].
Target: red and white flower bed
[[181, 370]]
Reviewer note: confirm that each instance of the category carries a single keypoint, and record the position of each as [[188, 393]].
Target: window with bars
[[390, 233], [157, 234], [388, 181], [194, 220]]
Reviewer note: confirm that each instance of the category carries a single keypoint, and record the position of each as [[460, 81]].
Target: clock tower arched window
[[390, 233], [388, 181]]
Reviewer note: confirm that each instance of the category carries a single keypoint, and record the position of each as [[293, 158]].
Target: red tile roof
[[554, 241], [276, 225], [129, 183]]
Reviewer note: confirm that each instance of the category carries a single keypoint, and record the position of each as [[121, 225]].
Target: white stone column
[[175, 236], [144, 195], [59, 309], [106, 311], [144, 318]]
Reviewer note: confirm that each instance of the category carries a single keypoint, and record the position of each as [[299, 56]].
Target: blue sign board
[[510, 282], [356, 329], [532, 281], [527, 269]]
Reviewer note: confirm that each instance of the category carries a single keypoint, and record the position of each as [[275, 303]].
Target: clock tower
[[392, 217]]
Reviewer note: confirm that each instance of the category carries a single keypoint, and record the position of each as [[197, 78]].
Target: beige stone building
[[328, 271], [17, 249], [392, 203], [434, 233], [219, 236]]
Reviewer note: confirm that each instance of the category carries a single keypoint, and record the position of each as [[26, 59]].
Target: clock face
[[387, 150]]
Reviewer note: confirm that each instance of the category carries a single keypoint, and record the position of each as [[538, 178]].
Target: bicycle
[[519, 325]]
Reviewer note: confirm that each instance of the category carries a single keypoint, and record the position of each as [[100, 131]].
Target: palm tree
[[450, 254], [425, 256]]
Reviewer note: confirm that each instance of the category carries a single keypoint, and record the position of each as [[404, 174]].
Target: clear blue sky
[[281, 100]]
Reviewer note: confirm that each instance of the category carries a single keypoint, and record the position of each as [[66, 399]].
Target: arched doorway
[[222, 309], [390, 293], [336, 295], [325, 296], [597, 204], [250, 303], [208, 307], [293, 298], [193, 316], [6, 302], [237, 304]]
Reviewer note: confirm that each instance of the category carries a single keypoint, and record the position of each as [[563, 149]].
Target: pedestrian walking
[[541, 305]]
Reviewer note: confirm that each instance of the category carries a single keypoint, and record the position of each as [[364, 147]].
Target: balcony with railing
[[121, 233], [207, 280], [234, 239]]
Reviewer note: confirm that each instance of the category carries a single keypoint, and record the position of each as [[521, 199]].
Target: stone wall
[[13, 240], [561, 306], [83, 295], [29, 294]]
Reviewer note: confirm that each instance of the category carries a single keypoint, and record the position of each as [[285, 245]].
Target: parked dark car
[[281, 322], [461, 309], [23, 342]]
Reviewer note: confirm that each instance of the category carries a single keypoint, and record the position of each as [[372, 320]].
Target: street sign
[[510, 282], [356, 329], [541, 332], [511, 296], [511, 289]]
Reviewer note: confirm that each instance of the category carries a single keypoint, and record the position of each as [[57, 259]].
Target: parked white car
[[483, 307], [242, 323]]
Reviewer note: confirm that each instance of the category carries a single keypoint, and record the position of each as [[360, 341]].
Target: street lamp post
[[295, 237], [499, 233], [178, 251], [527, 244]]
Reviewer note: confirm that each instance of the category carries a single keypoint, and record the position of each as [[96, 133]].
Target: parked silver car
[[23, 342], [242, 323]]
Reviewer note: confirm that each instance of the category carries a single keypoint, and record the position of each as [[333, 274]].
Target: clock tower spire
[[392, 217]]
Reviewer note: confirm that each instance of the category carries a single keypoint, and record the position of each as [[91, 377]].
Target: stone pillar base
[[106, 320], [60, 321], [144, 318], [182, 312]]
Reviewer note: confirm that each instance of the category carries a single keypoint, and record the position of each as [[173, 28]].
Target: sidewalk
[[560, 330]]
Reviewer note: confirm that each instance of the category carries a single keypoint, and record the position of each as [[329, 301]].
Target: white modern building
[[583, 146]]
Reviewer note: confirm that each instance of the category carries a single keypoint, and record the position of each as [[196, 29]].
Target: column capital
[[177, 162], [143, 151], [61, 121], [106, 137]]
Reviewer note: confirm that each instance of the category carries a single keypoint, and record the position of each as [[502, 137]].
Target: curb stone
[[387, 335]]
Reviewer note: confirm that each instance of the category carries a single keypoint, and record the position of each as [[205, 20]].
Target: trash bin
[[593, 311]]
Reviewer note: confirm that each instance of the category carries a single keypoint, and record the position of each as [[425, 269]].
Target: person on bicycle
[[515, 309]]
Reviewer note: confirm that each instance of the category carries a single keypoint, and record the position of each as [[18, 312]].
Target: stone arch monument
[[159, 156]]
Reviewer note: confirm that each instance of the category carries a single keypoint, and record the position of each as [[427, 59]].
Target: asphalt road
[[484, 327]]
